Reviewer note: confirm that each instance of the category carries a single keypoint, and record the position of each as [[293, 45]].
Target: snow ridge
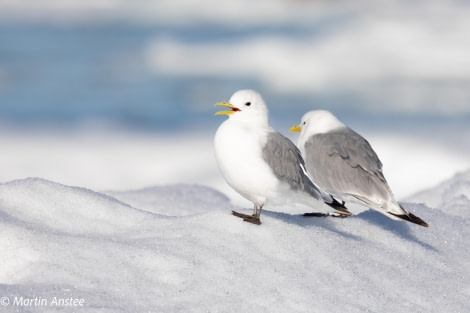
[[452, 196], [159, 256]]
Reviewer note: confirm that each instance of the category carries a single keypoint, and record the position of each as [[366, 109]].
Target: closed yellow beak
[[295, 128], [228, 105]]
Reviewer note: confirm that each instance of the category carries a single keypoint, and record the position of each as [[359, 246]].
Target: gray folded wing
[[287, 164], [342, 161]]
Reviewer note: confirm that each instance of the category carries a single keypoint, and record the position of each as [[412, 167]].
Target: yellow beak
[[228, 105], [295, 128]]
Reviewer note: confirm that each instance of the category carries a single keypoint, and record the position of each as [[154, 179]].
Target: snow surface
[[177, 248], [452, 196]]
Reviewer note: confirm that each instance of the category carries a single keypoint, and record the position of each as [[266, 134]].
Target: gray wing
[[286, 162], [343, 161]]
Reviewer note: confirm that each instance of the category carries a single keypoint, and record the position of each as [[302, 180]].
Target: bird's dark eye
[[304, 123], [248, 104]]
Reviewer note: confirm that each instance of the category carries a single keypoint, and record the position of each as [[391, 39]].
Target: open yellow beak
[[227, 104], [295, 128]]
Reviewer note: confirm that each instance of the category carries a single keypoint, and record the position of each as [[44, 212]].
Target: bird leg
[[254, 218], [324, 215], [316, 214]]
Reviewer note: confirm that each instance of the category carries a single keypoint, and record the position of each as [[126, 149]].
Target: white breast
[[238, 150]]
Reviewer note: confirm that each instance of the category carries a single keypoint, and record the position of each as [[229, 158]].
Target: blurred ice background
[[119, 94]]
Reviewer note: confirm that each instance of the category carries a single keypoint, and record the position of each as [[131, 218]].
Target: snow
[[113, 159], [177, 248], [452, 196], [414, 163]]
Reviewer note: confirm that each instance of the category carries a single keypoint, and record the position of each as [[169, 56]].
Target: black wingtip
[[410, 217], [339, 207]]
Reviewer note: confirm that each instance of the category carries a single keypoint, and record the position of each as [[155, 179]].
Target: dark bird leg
[[315, 214], [254, 218], [340, 210]]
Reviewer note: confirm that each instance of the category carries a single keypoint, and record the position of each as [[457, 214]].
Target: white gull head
[[317, 122], [246, 106]]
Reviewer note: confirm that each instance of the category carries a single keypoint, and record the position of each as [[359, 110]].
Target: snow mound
[[174, 200], [451, 196], [68, 242], [53, 206]]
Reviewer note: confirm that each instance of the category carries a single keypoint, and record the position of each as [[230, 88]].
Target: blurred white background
[[119, 94]]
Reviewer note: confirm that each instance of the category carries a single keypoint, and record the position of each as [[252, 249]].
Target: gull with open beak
[[261, 164]]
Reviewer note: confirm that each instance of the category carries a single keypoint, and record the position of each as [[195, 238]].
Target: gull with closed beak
[[344, 164]]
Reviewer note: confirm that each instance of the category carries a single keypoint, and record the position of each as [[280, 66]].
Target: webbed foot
[[253, 219]]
